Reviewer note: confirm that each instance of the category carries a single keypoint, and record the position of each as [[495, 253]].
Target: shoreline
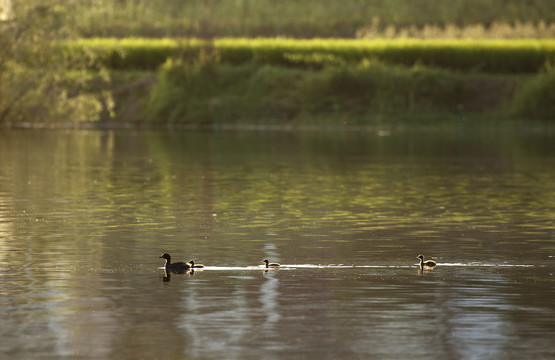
[[381, 130]]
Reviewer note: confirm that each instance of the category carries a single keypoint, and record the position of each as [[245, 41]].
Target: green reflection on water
[[191, 191], [84, 216]]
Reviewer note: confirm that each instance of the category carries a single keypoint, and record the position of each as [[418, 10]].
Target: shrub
[[536, 99], [195, 94]]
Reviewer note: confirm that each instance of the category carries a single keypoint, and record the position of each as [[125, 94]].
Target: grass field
[[492, 56], [290, 79]]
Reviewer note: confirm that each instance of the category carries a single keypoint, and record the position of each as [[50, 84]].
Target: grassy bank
[[238, 76], [328, 81], [368, 94], [492, 56], [324, 81]]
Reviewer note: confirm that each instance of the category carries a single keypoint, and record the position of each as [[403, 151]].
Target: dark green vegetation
[[537, 97], [46, 75], [337, 81], [370, 93]]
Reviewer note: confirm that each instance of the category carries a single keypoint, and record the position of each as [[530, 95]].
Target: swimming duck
[[175, 266], [197, 266], [427, 263], [269, 264]]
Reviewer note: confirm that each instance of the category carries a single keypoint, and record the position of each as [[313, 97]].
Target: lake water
[[85, 215]]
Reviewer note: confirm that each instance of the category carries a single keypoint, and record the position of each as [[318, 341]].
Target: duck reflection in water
[[269, 295], [167, 275]]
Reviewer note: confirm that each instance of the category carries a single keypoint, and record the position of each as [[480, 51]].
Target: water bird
[[173, 266], [269, 264], [427, 263], [196, 266]]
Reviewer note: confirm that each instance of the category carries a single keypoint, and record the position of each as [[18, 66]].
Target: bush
[[536, 99], [35, 83], [196, 94]]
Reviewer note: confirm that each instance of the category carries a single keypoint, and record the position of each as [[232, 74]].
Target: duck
[[269, 264], [173, 266], [196, 266], [427, 263]]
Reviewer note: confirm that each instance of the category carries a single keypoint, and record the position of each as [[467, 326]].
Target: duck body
[[427, 263], [173, 266], [195, 266], [269, 264]]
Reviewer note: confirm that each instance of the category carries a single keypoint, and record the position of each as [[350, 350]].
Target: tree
[[36, 84]]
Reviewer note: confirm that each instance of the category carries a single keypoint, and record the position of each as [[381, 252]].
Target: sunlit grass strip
[[501, 56]]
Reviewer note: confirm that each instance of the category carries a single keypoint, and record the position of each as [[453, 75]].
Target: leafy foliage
[[536, 99], [35, 84], [195, 94]]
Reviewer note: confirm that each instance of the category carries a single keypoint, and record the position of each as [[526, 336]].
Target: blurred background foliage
[[39, 83], [312, 18], [34, 80]]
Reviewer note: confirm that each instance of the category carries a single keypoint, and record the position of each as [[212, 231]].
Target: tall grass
[[363, 94], [496, 56], [494, 30], [300, 18]]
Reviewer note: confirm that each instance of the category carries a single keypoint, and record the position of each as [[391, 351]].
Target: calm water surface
[[84, 216]]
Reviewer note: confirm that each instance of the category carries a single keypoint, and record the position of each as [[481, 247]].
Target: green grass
[[370, 93], [331, 81], [493, 56], [240, 75]]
